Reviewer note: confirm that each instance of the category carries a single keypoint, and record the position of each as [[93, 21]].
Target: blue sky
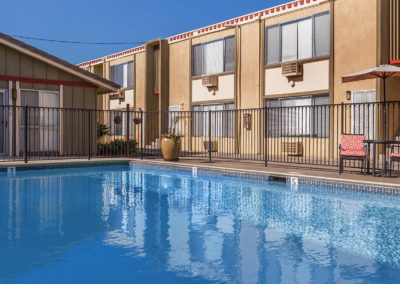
[[113, 21]]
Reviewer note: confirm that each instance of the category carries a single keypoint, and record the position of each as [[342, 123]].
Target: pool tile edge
[[335, 183], [63, 165]]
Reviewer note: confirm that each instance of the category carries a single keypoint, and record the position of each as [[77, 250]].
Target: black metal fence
[[297, 135]]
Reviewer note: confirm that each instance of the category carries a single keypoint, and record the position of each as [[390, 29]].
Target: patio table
[[382, 142]]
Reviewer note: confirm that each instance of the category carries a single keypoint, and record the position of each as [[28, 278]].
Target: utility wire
[[77, 42]]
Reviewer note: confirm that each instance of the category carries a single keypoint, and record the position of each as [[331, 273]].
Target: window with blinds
[[213, 57], [301, 39], [363, 115], [44, 123], [122, 74], [305, 116], [222, 120]]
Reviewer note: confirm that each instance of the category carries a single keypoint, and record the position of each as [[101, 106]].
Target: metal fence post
[[141, 134], [209, 136], [90, 135], [26, 133], [127, 131], [342, 115], [265, 136]]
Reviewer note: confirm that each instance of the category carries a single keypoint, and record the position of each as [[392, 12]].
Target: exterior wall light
[[348, 95]]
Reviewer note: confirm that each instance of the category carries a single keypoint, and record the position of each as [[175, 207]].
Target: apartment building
[[293, 54]]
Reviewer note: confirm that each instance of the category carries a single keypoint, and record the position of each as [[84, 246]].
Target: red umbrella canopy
[[382, 71]]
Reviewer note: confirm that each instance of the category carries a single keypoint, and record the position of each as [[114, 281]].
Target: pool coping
[[63, 165], [289, 178]]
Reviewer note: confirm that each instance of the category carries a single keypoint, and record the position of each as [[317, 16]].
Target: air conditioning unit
[[292, 148], [120, 95], [292, 69], [210, 81], [214, 146]]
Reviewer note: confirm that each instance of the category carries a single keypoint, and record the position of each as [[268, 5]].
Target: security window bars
[[305, 116], [213, 57], [222, 120], [122, 74], [301, 39]]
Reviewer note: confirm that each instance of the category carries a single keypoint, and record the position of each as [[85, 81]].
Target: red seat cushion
[[353, 153], [352, 146], [395, 155]]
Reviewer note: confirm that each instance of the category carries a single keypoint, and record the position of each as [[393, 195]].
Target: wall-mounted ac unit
[[120, 95], [292, 69], [214, 146], [292, 148], [210, 81]]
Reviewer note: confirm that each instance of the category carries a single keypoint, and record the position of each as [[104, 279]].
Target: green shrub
[[117, 147]]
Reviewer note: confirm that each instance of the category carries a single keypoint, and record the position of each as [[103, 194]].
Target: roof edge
[[57, 62], [247, 18]]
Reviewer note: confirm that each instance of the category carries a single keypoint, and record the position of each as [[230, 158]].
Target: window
[[363, 114], [222, 120], [321, 34], [213, 57], [118, 123], [122, 74], [43, 122], [272, 44], [173, 113], [156, 69], [300, 116], [300, 39]]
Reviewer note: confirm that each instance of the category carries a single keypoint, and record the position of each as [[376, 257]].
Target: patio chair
[[394, 157], [352, 147]]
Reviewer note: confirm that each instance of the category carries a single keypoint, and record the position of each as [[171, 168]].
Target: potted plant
[[117, 119], [171, 142], [137, 120]]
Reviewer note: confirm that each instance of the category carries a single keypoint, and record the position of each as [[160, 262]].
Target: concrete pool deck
[[283, 172]]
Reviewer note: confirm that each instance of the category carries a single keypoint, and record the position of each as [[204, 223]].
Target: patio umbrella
[[383, 72]]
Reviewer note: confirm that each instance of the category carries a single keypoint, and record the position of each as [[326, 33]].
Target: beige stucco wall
[[225, 90], [180, 74], [140, 77], [299, 14], [249, 91], [354, 48], [315, 78], [213, 36]]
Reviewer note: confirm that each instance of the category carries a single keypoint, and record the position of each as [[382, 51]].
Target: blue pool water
[[126, 224]]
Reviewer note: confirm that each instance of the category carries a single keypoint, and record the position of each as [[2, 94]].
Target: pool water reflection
[[136, 225]]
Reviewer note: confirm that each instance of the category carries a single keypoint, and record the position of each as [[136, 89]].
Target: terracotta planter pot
[[170, 149]]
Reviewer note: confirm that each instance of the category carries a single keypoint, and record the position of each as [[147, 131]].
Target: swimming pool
[[123, 224]]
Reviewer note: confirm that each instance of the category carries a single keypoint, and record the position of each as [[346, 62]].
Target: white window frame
[[217, 114], [40, 127], [280, 37], [5, 122], [173, 112], [370, 130], [125, 73], [203, 59]]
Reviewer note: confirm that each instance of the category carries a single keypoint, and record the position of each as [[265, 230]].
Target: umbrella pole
[[384, 124]]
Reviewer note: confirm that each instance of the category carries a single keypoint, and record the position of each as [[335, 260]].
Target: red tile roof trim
[[270, 12]]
